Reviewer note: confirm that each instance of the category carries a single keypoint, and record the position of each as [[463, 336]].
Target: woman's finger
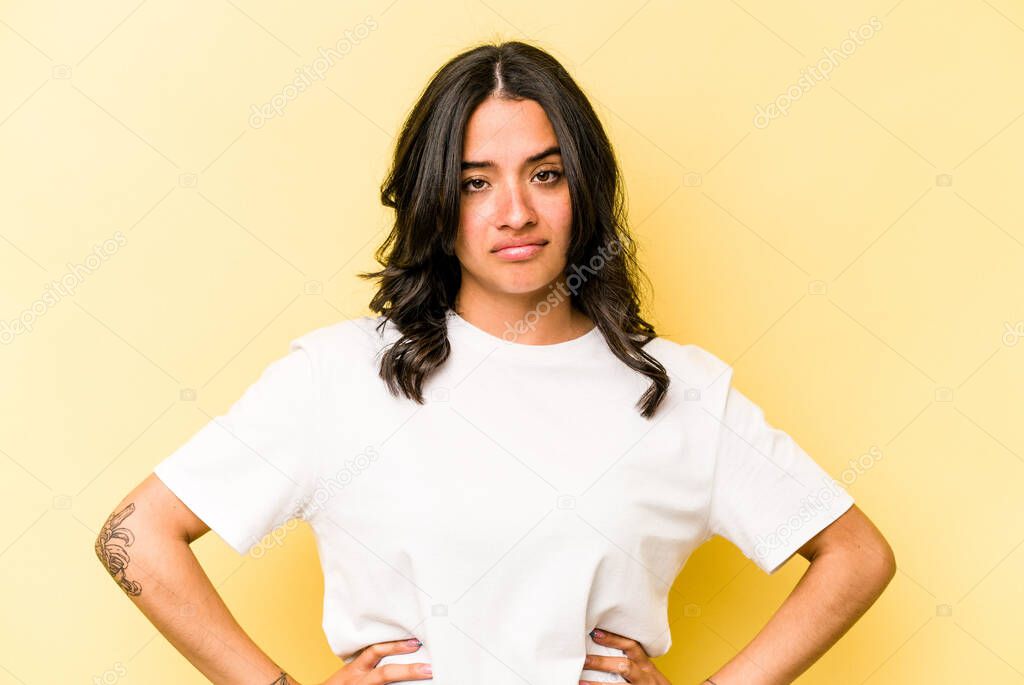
[[609, 664], [398, 673], [633, 649], [371, 655]]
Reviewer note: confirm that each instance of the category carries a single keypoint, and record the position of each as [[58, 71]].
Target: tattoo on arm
[[111, 548]]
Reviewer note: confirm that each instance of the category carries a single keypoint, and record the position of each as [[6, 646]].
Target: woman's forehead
[[507, 132]]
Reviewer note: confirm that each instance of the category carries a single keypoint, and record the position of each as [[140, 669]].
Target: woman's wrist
[[285, 679]]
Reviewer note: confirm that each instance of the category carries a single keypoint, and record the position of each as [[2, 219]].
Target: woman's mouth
[[519, 252]]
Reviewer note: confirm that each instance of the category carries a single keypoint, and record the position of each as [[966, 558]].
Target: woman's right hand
[[363, 669]]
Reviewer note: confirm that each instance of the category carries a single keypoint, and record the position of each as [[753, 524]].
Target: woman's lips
[[518, 253]]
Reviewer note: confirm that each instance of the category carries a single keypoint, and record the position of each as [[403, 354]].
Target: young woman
[[507, 457]]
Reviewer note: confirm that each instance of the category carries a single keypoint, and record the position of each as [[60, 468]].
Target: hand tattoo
[[111, 549]]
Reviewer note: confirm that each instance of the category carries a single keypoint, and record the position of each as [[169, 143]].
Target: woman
[[507, 457]]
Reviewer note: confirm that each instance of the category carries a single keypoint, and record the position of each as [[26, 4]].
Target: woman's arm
[[144, 545], [851, 564]]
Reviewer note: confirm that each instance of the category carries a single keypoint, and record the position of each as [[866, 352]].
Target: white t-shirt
[[524, 504]]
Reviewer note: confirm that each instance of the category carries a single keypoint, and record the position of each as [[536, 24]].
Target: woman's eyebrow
[[553, 150]]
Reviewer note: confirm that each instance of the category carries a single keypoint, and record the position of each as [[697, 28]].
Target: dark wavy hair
[[422, 275]]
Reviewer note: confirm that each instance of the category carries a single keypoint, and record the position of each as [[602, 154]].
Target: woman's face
[[511, 194]]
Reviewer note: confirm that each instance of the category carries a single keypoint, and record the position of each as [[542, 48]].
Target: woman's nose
[[515, 208]]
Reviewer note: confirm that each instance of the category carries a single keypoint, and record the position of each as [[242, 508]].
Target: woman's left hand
[[635, 667]]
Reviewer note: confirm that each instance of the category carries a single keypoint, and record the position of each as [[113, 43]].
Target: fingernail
[[597, 633], [413, 642], [425, 668]]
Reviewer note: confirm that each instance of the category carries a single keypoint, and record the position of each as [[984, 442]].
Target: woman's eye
[[469, 187]]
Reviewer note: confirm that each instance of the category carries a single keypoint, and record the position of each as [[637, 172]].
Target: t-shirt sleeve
[[251, 469], [768, 495]]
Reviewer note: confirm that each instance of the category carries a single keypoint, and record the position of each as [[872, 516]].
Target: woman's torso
[[525, 503]]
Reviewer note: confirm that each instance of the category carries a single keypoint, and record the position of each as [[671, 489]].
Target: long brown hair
[[422, 275]]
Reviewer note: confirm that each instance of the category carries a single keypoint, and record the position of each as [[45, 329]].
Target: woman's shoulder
[[347, 337], [690, 361]]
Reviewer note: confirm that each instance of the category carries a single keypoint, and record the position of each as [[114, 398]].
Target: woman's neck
[[524, 322]]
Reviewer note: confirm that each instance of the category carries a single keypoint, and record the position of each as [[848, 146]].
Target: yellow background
[[859, 261]]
